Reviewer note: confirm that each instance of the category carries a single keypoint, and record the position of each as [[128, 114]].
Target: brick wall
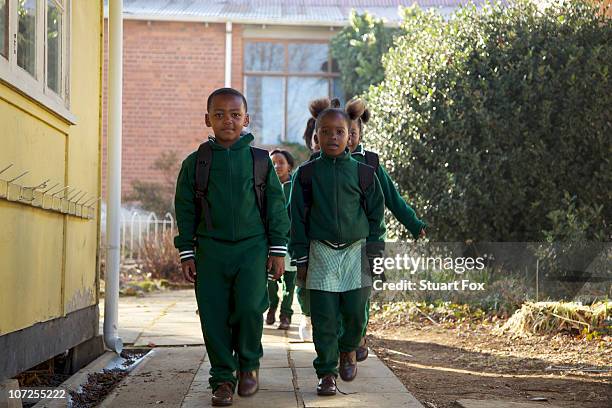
[[169, 69]]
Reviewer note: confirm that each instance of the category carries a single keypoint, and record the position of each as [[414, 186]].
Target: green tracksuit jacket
[[336, 213], [231, 196], [393, 200]]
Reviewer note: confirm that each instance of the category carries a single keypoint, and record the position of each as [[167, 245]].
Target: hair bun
[[319, 105], [355, 108]]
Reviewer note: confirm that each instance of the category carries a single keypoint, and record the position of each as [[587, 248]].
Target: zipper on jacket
[[337, 202], [232, 207]]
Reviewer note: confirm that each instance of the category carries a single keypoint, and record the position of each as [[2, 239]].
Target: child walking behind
[[337, 206], [393, 200], [283, 165], [233, 229]]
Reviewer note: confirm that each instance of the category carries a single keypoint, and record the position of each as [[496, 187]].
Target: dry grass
[[557, 317]]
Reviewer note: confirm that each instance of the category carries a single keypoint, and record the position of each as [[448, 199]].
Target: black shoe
[[270, 317], [362, 350], [327, 385], [285, 322]]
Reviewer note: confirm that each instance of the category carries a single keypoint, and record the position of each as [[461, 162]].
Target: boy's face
[[333, 134], [281, 166], [354, 136], [227, 117]]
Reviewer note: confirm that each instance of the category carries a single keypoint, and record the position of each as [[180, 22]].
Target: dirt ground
[[440, 365]]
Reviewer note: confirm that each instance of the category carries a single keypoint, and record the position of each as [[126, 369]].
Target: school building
[[276, 52], [50, 180]]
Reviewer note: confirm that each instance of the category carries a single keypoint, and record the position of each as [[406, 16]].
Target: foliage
[[158, 196], [497, 122], [159, 258], [358, 49]]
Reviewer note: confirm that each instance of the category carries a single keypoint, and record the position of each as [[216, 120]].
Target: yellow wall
[[48, 259]]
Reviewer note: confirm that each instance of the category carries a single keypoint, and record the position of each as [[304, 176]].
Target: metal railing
[[140, 227]]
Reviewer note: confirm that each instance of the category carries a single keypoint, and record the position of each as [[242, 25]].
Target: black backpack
[[202, 172], [371, 159], [366, 179]]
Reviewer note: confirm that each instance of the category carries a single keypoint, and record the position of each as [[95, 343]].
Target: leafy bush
[[358, 49], [497, 123]]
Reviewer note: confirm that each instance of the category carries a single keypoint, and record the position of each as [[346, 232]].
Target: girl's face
[[354, 135], [281, 166], [333, 134]]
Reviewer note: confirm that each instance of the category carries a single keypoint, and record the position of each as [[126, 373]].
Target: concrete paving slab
[[470, 403], [163, 380], [170, 340], [395, 400]]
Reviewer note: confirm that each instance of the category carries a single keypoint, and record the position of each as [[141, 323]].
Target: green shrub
[[358, 49], [497, 123]]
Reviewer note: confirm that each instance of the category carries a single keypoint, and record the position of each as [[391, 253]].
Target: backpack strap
[[260, 177], [372, 159], [366, 179], [306, 173], [202, 173]]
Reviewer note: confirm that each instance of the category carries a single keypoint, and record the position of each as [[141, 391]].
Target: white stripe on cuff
[[278, 247], [186, 252], [187, 256]]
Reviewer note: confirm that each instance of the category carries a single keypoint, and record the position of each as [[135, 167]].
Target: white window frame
[[36, 87]]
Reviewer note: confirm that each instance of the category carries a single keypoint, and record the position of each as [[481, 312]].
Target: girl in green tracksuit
[[393, 200], [334, 215], [283, 165]]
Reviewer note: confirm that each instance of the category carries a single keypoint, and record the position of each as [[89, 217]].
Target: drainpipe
[[113, 184], [228, 54]]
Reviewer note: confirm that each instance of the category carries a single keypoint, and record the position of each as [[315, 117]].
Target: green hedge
[[498, 123]]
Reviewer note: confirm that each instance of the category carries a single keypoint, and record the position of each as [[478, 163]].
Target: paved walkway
[[177, 375]]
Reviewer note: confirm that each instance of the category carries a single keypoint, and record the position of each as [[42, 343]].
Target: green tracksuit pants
[[328, 311], [288, 285], [231, 294], [304, 300]]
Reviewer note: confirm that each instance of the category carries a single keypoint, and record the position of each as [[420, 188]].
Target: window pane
[[299, 94], [266, 100], [26, 42], [308, 57], [264, 56], [3, 27], [337, 91], [54, 46]]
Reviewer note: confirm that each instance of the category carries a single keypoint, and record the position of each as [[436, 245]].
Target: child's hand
[[302, 271], [189, 270], [275, 267], [422, 233]]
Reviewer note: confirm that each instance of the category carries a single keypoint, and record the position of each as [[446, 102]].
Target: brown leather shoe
[[362, 350], [348, 366], [248, 383], [270, 317], [223, 396], [327, 385], [285, 322]]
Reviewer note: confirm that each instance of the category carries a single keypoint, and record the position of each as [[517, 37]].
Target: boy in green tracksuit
[[227, 247], [333, 215], [393, 200], [283, 165]]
